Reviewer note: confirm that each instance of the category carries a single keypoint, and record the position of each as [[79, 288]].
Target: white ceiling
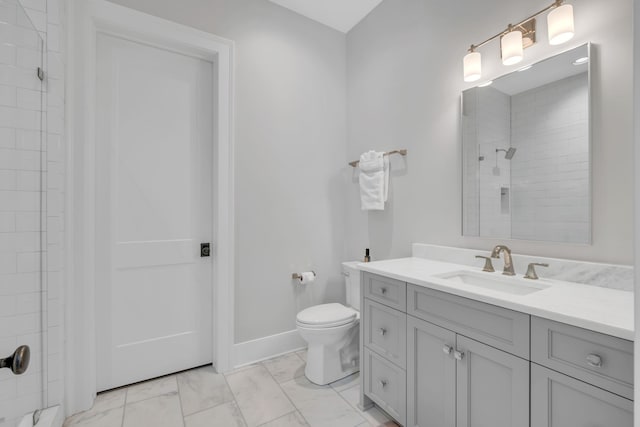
[[341, 15]]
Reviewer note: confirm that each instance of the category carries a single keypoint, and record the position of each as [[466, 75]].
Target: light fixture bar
[[555, 4]]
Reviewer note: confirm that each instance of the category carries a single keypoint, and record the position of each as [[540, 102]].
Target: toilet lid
[[327, 314]]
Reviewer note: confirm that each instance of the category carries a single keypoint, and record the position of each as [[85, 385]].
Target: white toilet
[[332, 333]]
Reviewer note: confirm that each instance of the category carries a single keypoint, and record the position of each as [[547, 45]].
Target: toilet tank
[[351, 274]]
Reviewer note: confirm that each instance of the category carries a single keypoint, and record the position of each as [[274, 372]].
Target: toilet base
[[327, 363]]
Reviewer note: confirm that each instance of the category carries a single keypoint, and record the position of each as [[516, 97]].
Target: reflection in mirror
[[526, 153]]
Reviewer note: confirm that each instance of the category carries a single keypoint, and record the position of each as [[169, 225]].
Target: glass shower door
[[22, 215]]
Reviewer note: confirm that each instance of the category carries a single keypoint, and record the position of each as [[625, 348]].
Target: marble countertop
[[604, 310]]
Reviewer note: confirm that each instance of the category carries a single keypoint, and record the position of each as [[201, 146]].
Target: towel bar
[[402, 152]]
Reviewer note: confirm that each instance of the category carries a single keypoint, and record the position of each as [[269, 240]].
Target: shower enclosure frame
[[86, 20]]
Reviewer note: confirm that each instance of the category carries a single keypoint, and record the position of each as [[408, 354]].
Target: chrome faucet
[[508, 262]]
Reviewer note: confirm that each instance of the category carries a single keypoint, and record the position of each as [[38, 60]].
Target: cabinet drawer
[[598, 359], [386, 385], [558, 400], [496, 326], [386, 291], [385, 332]]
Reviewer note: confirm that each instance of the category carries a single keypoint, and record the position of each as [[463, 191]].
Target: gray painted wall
[[290, 154], [404, 82]]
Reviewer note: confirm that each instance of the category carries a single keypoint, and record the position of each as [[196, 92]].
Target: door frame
[[86, 19]]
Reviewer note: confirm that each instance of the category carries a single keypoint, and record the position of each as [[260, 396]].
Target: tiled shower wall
[[43, 383], [486, 127], [550, 170]]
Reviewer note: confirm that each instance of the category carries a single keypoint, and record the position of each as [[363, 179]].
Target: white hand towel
[[373, 180]]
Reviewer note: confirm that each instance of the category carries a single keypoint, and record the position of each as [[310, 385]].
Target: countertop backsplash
[[611, 276]]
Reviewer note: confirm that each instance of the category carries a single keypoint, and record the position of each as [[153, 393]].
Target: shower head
[[508, 154]]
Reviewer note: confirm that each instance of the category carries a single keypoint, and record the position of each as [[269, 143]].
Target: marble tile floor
[[273, 393]]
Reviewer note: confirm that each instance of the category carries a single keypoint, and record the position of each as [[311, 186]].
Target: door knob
[[458, 355], [447, 349], [383, 331], [18, 362]]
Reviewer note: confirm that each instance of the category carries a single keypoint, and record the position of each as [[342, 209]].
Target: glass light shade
[[560, 24], [472, 67], [512, 49]]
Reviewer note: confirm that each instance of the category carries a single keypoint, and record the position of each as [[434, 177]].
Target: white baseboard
[[248, 352]]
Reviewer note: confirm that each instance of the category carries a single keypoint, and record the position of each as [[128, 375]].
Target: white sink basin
[[495, 282]]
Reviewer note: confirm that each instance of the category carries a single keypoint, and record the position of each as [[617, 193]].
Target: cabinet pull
[[383, 383], [383, 331], [594, 361], [458, 355], [447, 349], [383, 291]]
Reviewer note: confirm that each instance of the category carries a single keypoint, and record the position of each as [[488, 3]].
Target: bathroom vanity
[[442, 346]]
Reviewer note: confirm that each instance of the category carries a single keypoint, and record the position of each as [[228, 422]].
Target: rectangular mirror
[[526, 153]]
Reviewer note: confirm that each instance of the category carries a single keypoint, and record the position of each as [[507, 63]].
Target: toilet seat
[[326, 316]]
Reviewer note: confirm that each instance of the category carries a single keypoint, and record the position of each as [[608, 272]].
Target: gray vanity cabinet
[[492, 386], [431, 375], [558, 400], [451, 377], [433, 359]]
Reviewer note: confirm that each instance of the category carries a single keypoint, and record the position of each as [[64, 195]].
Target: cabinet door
[[431, 375], [492, 387], [561, 401]]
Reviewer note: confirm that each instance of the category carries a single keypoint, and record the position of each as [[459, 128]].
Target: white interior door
[[154, 149]]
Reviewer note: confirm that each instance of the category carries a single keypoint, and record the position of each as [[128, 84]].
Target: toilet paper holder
[[298, 276]]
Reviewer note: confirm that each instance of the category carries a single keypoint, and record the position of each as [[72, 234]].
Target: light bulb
[[560, 24], [472, 67], [512, 50]]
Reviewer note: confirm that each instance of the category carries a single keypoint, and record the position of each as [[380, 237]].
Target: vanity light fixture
[[560, 24], [511, 47], [472, 66], [517, 37]]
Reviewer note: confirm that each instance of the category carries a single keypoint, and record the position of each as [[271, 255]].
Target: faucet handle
[[531, 270], [488, 265]]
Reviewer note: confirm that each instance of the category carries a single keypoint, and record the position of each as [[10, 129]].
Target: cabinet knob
[[458, 355], [383, 291], [383, 331], [383, 383], [594, 361], [447, 349]]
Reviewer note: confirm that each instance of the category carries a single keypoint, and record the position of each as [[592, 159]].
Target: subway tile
[[29, 262], [7, 223], [7, 138], [8, 96], [28, 99], [7, 180], [28, 221]]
